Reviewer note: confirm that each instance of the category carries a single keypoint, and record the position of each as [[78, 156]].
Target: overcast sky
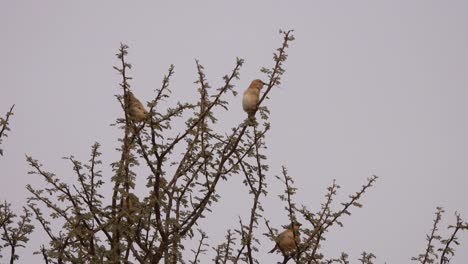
[[372, 87]]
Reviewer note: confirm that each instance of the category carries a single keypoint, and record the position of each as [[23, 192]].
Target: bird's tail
[[251, 116]]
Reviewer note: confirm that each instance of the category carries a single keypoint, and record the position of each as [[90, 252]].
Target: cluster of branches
[[85, 226], [14, 235], [181, 187], [319, 223], [14, 230], [439, 249]]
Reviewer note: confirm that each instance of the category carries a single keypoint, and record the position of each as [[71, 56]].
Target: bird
[[285, 240], [133, 205], [251, 97], [136, 110]]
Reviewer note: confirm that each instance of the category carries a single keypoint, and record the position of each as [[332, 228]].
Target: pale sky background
[[372, 87]]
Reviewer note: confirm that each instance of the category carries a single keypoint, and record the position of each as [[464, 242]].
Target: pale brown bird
[[285, 241], [136, 110], [252, 96], [133, 205]]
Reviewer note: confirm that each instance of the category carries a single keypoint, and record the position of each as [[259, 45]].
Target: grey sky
[[372, 87]]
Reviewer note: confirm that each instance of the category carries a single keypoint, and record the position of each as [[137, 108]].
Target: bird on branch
[[136, 110], [285, 240], [251, 97]]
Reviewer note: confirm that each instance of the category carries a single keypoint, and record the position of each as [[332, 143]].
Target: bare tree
[[186, 167]]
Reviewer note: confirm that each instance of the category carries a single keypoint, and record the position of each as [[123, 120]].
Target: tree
[[85, 226]]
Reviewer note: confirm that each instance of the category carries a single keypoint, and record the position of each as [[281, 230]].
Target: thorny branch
[[86, 224], [4, 122]]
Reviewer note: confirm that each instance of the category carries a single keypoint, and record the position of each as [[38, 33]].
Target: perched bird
[[136, 110], [285, 241], [133, 204], [252, 96]]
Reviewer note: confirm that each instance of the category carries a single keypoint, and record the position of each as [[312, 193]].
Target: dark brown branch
[[429, 248], [5, 123], [453, 239]]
